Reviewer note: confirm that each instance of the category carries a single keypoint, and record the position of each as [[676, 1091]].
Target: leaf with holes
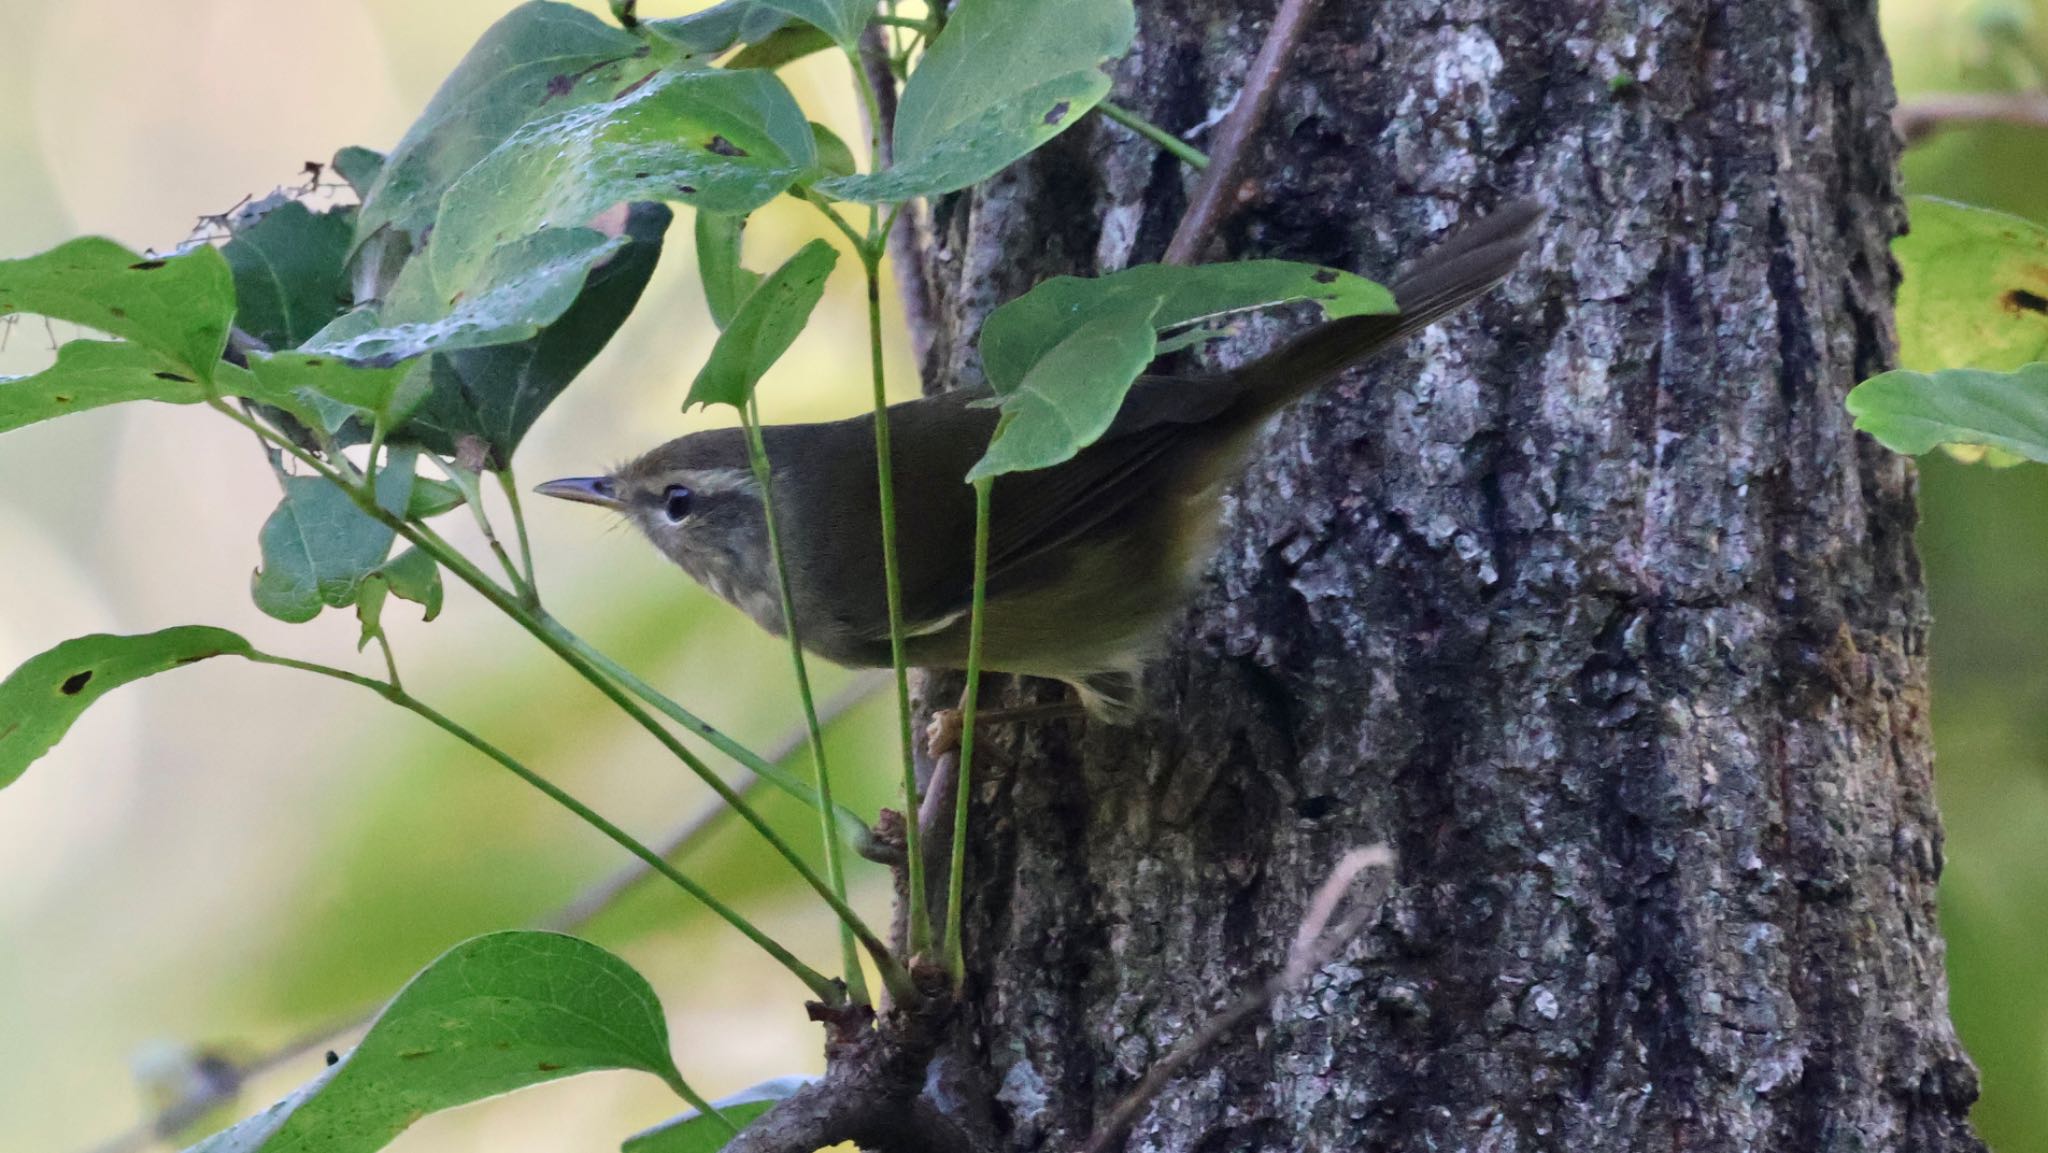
[[289, 272], [492, 1015], [540, 60], [92, 374], [1915, 412], [717, 140], [41, 700], [1016, 335], [318, 546], [1072, 392], [1004, 77], [1975, 289], [178, 306], [695, 1132], [766, 324]]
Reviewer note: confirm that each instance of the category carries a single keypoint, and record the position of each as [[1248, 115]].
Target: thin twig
[[1217, 196], [1315, 944], [1924, 116], [167, 1122]]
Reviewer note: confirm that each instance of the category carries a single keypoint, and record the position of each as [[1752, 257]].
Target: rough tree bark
[[1589, 602]]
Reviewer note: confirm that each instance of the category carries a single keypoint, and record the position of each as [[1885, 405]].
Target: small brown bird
[[1087, 559]]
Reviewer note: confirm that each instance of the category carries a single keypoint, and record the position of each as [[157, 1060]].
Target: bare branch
[[1218, 195], [1314, 945], [1924, 116]]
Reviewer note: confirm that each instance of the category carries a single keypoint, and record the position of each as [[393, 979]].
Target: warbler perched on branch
[[1086, 559]]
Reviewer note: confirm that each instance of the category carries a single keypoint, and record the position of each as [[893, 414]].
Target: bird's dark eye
[[675, 503]]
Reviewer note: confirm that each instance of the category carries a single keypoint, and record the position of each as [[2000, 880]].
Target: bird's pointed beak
[[597, 490]]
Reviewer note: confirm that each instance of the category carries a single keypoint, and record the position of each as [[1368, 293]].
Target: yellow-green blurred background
[[230, 854]]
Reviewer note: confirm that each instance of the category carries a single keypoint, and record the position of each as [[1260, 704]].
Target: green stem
[[835, 871], [956, 961], [893, 972], [510, 485], [871, 256], [818, 983], [852, 828], [1188, 153]]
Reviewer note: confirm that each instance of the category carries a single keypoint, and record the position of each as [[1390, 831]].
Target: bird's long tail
[[1468, 262]]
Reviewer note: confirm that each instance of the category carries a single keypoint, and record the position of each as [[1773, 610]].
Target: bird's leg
[[942, 735]]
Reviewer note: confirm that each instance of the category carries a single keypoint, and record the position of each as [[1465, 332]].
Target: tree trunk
[[1589, 602]]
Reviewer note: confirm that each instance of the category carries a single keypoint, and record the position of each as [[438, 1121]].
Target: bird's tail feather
[[1446, 278]]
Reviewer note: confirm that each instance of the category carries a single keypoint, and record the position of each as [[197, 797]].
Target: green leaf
[[432, 498], [494, 1014], [1004, 77], [1914, 412], [370, 598], [765, 326], [541, 59], [289, 272], [834, 157], [1975, 289], [318, 546], [496, 393], [91, 374], [719, 28], [358, 166], [180, 306], [1072, 393], [789, 43], [386, 395], [1016, 335], [726, 283], [416, 577], [40, 700], [717, 140], [842, 20], [519, 290], [695, 1132]]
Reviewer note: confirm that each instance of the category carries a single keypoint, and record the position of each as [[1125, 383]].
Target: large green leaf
[[1975, 289], [318, 547], [180, 306], [720, 28], [492, 1015], [1914, 412], [520, 289], [40, 700], [496, 393], [541, 59], [91, 374], [695, 1132], [289, 272], [766, 324], [383, 395], [717, 140], [1071, 394], [1016, 335], [1004, 77]]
